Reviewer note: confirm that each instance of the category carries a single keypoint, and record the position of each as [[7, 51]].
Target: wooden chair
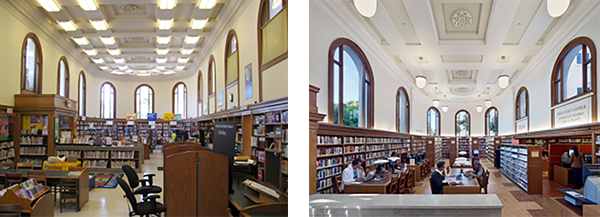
[[336, 179], [37, 175], [69, 193], [401, 184], [484, 181], [25, 166], [409, 181], [10, 210], [54, 168], [6, 165], [393, 187], [13, 178]]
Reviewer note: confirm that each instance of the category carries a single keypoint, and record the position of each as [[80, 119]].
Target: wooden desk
[[562, 175], [471, 185], [371, 187], [560, 207], [241, 202], [55, 177]]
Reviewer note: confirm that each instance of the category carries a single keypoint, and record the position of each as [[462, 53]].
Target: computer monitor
[[570, 152], [590, 170]]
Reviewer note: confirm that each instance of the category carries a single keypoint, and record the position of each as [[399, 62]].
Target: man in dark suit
[[437, 178]]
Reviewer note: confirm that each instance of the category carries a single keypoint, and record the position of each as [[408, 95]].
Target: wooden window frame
[[558, 76], [518, 107], [263, 18], [340, 42], [80, 77], [185, 110], [67, 74], [486, 120], [402, 89], [135, 102], [456, 123], [115, 100], [439, 124], [199, 97], [212, 72], [39, 60], [228, 53]]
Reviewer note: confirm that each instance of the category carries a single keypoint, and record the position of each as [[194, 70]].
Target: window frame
[[185, 110], [114, 103], [79, 97], [135, 102], [439, 124], [486, 120], [402, 89], [456, 123], [37, 86], [199, 96], [264, 18], [518, 107], [67, 73], [368, 71], [228, 53]]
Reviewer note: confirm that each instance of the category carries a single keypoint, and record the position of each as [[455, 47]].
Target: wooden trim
[[455, 123], [398, 109], [518, 106], [82, 75], [439, 127], [173, 98], [230, 35], [37, 86], [486, 120], [338, 43], [263, 18], [115, 100], [199, 96], [67, 75], [135, 97]]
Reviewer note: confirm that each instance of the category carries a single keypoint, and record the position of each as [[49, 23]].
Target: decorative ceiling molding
[[462, 19]]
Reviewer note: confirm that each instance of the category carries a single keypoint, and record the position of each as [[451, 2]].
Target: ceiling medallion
[[462, 74], [130, 8], [462, 19]]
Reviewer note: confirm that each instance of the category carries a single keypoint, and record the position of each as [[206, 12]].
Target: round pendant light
[[503, 81], [420, 81], [479, 108], [366, 8], [488, 103], [436, 102], [556, 8], [445, 108]]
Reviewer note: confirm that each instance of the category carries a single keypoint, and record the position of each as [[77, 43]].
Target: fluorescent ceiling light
[[192, 39], [81, 41], [49, 5], [122, 68], [114, 52], [161, 60], [165, 24], [119, 60], [99, 25], [67, 25], [167, 4], [162, 51], [187, 51], [108, 40], [169, 72], [117, 72], [180, 67], [183, 59], [143, 74], [88, 5], [104, 68], [98, 61], [207, 4], [160, 67], [198, 24], [163, 39], [91, 52]]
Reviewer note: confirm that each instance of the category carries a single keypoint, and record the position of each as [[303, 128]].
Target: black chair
[[134, 182], [147, 207]]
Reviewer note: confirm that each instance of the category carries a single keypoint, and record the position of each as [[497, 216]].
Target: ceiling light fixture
[[161, 60], [198, 24], [162, 51], [192, 39], [114, 52], [167, 4], [420, 81], [187, 51], [116, 72], [503, 81], [180, 67], [479, 108], [207, 4], [183, 59], [98, 61], [164, 24], [67, 25], [99, 25], [90, 52], [366, 8], [436, 102], [445, 108], [143, 74], [104, 68], [488, 103], [163, 39], [160, 67], [49, 5], [88, 5], [122, 68], [119, 60], [169, 72], [81, 41], [108, 40], [557, 8]]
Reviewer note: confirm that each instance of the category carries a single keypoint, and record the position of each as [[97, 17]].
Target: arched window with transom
[[81, 91], [63, 77], [272, 37], [200, 93], [402, 111], [463, 123], [108, 97], [180, 99], [350, 85], [433, 122], [31, 65], [491, 121], [144, 101], [232, 69]]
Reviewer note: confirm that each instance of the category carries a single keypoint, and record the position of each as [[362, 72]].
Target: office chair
[[145, 208], [134, 182]]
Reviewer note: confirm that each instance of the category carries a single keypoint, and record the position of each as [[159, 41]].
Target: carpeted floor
[[106, 180]]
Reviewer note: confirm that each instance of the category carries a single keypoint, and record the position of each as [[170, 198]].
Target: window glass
[[522, 104], [336, 92], [433, 118], [462, 124], [233, 44], [62, 79], [180, 98], [81, 96], [107, 101], [274, 7], [30, 62], [352, 106], [144, 101], [402, 112], [492, 122], [573, 72]]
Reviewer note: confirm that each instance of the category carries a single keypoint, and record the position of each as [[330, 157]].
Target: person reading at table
[[354, 172], [437, 179]]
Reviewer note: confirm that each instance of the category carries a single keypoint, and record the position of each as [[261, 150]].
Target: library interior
[[454, 108], [137, 108]]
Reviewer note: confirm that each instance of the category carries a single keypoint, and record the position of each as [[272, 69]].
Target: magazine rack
[[41, 205]]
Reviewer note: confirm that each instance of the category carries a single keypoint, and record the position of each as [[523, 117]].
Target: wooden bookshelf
[[523, 165], [111, 158], [453, 152], [7, 142], [434, 149]]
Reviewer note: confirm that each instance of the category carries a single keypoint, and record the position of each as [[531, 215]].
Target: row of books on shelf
[[33, 151], [96, 163], [354, 149], [260, 155], [28, 189], [324, 173], [325, 151], [95, 154], [324, 183], [284, 166], [7, 153], [271, 118], [8, 144], [68, 152], [32, 140], [322, 140], [37, 162], [329, 162], [122, 154], [350, 158], [120, 163]]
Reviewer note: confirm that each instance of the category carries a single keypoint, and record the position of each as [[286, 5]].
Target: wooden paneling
[[247, 135], [314, 118]]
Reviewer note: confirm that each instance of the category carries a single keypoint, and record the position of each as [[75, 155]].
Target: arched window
[[350, 85], [180, 99], [31, 65], [200, 93], [81, 94], [402, 111], [107, 101], [144, 101], [491, 122], [272, 32], [232, 69], [522, 104], [212, 70], [463, 123], [63, 77], [433, 122]]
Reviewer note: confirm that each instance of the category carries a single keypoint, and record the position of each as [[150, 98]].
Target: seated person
[[478, 172], [354, 172], [394, 164], [437, 178]]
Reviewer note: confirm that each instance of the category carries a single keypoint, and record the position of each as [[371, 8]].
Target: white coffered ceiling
[[134, 26], [464, 44]]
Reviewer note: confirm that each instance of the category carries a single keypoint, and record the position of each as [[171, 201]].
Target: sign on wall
[[168, 116], [574, 113], [522, 125], [152, 117]]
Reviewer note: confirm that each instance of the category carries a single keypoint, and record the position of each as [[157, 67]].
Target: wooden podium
[[41, 205]]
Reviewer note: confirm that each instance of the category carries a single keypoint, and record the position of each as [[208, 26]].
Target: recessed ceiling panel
[[460, 19], [462, 58], [527, 9], [462, 76], [397, 12]]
